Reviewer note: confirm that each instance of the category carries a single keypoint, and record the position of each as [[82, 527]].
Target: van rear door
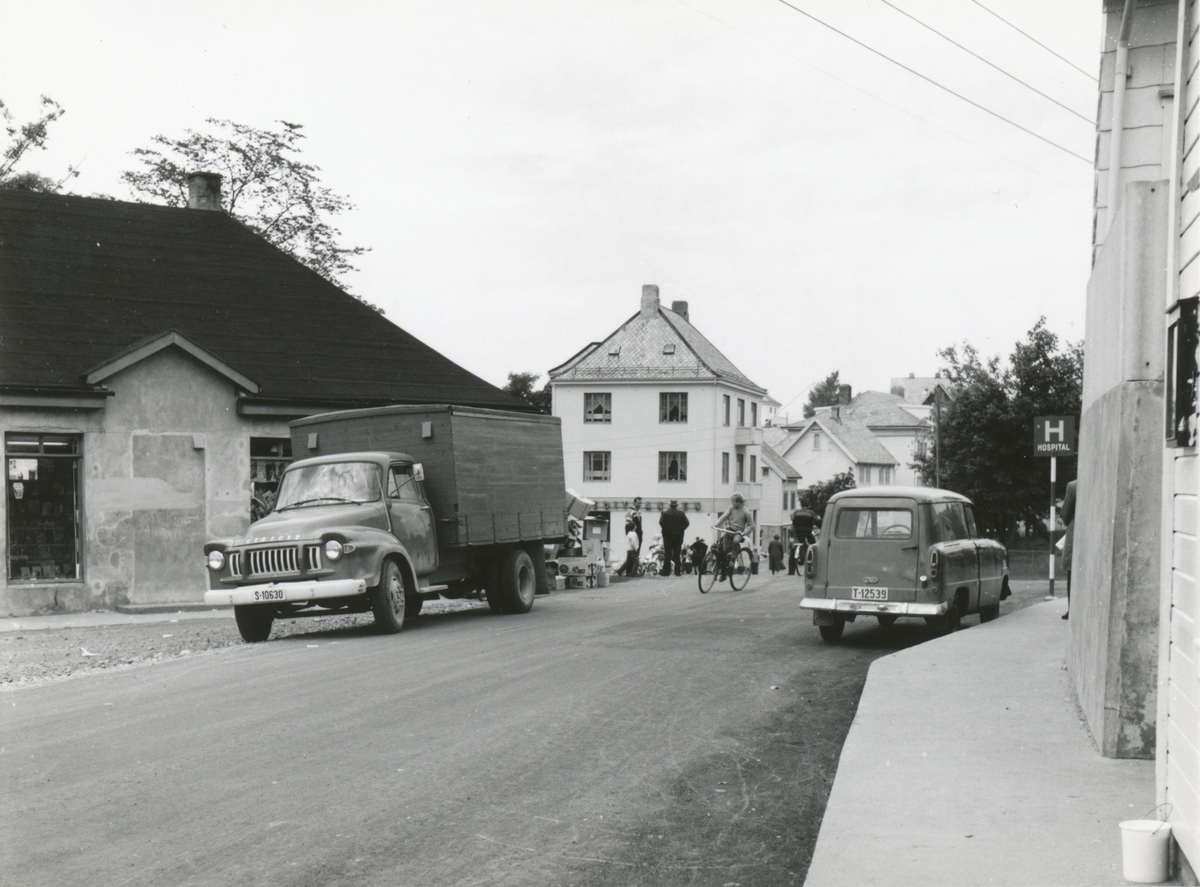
[[873, 550]]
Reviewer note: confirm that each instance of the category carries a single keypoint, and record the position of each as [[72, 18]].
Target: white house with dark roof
[[656, 411]]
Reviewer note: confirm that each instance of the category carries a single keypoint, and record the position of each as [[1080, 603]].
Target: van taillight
[[933, 564], [810, 561]]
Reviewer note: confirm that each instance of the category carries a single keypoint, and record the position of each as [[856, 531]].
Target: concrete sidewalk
[[968, 763], [111, 617]]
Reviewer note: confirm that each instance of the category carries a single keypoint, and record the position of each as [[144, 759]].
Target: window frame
[[590, 473], [39, 533], [588, 415], [728, 405], [680, 402], [740, 463], [664, 466], [725, 468]]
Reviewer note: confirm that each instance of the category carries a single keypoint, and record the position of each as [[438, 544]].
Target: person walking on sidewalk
[[804, 520], [674, 524], [632, 547], [775, 554], [634, 516], [1068, 516], [698, 549]]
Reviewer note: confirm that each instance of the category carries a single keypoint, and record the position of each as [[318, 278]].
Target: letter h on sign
[[1054, 436]]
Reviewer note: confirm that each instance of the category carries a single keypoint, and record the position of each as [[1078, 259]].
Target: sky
[[822, 200]]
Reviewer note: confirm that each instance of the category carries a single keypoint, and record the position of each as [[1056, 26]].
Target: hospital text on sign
[[1054, 436]]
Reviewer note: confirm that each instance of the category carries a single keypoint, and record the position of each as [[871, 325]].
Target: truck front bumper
[[274, 592], [873, 608]]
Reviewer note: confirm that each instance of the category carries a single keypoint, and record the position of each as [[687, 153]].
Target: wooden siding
[[491, 476]]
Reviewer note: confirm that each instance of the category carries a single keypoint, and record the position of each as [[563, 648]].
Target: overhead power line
[[1011, 76], [933, 82], [1039, 43], [984, 148]]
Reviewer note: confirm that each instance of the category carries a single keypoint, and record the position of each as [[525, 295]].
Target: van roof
[[921, 494]]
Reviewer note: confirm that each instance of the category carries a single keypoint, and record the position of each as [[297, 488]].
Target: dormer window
[[669, 348], [614, 351]]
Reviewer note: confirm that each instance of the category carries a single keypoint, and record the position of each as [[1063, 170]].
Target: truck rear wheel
[[388, 599], [518, 584], [254, 623]]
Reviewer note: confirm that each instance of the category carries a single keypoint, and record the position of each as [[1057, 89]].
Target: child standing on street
[[632, 546]]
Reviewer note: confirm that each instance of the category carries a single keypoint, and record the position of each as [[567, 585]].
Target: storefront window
[[269, 456], [43, 506]]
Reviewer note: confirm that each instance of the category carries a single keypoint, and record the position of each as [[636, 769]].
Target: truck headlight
[[333, 549], [216, 560]]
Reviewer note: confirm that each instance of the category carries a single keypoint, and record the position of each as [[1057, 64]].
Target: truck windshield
[[329, 483]]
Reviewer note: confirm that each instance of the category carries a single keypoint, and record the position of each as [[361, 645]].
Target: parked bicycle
[[734, 565]]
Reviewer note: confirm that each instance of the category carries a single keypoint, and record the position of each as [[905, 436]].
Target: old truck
[[394, 506]]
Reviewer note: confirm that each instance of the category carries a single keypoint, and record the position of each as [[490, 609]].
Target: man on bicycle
[[737, 519]]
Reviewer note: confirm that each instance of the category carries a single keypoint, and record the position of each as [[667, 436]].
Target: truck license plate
[[269, 594], [868, 593]]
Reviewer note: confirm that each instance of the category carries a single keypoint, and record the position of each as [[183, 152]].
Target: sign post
[[1053, 436]]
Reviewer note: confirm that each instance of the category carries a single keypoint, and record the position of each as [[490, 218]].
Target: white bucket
[[602, 579], [1144, 850]]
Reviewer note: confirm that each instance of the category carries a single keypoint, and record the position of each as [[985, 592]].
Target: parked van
[[889, 552]]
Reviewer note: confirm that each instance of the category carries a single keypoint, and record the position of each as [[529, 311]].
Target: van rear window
[[874, 523]]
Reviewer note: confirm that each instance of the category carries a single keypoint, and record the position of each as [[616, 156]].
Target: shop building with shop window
[[656, 411], [152, 358]]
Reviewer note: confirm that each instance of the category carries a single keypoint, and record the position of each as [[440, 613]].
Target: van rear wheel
[[832, 633]]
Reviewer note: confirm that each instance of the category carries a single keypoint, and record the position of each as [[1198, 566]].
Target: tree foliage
[[823, 394], [986, 434], [24, 138], [520, 385], [817, 495], [265, 186]]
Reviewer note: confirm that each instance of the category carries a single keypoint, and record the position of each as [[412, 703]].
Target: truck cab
[[893, 552]]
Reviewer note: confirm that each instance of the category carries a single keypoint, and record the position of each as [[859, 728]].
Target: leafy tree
[[520, 385], [817, 496], [264, 185], [823, 394], [986, 434], [23, 138]]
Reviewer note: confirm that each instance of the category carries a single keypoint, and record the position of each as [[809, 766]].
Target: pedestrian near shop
[[697, 550], [674, 524], [804, 521], [775, 554], [1068, 516], [632, 546], [634, 516]]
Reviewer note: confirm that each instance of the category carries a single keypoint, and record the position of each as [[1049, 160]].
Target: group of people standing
[[735, 521]]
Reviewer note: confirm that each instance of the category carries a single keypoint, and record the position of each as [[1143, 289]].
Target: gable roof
[[635, 350], [774, 461], [852, 436], [878, 409], [87, 283]]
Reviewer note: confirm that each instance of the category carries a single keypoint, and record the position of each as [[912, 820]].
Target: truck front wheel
[[518, 584], [254, 622], [388, 599]]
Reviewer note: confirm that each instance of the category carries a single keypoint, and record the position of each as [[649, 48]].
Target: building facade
[[1135, 617], [656, 411]]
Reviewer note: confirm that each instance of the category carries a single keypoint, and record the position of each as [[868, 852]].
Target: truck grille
[[276, 561]]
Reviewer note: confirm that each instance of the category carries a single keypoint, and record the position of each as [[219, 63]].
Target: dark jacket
[[1068, 518], [674, 523], [803, 521]]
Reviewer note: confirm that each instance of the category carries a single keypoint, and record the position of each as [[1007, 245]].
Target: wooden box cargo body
[[491, 476]]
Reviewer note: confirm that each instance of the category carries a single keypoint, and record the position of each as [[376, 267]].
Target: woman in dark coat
[[775, 554]]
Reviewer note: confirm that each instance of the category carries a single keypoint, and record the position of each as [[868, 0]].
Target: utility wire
[[933, 82], [872, 95], [1042, 45], [1082, 117]]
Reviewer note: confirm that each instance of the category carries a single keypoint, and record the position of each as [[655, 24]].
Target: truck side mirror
[[418, 472]]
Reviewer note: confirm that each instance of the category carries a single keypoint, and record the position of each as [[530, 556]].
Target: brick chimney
[[680, 308], [204, 190], [649, 300], [843, 394]]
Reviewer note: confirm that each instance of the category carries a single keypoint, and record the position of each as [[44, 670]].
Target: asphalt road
[[637, 734]]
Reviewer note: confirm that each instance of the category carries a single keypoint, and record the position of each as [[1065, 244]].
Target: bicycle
[[717, 564]]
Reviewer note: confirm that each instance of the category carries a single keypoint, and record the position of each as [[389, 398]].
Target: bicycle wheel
[[740, 574], [707, 577]]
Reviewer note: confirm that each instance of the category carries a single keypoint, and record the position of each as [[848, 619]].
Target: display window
[[269, 457], [42, 489]]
